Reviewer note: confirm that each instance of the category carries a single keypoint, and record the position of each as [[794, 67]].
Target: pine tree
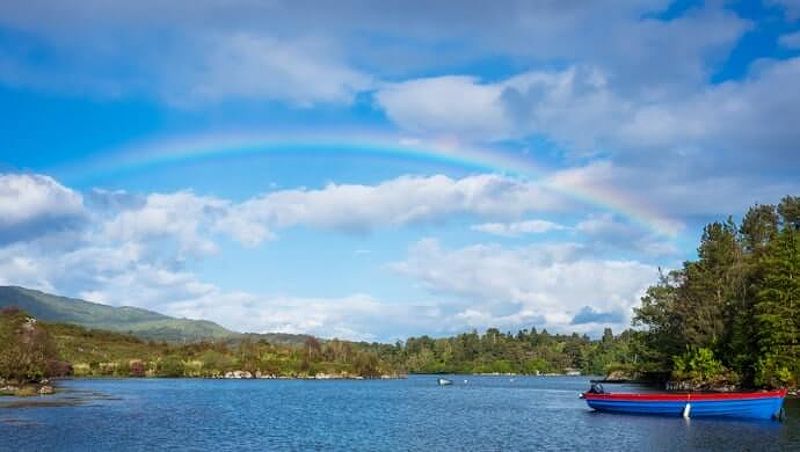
[[709, 288], [777, 309]]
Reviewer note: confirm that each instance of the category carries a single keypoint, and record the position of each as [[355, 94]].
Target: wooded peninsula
[[730, 318]]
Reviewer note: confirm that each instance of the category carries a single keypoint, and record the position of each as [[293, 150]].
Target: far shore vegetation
[[730, 319], [70, 350]]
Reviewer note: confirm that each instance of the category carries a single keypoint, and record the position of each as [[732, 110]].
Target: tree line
[[527, 351]]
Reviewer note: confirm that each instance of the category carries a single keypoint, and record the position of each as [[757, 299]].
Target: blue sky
[[374, 171]]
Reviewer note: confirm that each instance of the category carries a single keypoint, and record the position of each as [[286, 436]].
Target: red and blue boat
[[752, 405]]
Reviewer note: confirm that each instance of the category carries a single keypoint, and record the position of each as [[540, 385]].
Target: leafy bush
[[700, 367], [771, 374]]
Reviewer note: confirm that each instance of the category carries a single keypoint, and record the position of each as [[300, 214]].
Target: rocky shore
[[26, 389], [691, 386]]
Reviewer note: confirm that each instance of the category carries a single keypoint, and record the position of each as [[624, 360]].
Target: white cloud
[[184, 216], [558, 104], [554, 103], [580, 109], [456, 105], [517, 228], [28, 198], [249, 66], [193, 220], [509, 287], [393, 203], [31, 205]]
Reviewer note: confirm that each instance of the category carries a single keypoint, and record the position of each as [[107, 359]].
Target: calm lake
[[486, 413]]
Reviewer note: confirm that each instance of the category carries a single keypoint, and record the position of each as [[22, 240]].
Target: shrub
[[771, 374], [27, 350], [700, 367], [170, 366]]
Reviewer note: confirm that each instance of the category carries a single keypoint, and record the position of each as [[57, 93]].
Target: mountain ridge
[[143, 323]]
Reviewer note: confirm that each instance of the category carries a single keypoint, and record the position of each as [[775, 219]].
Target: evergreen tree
[[709, 287], [778, 310]]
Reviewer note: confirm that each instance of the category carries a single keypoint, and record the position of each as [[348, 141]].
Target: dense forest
[[729, 318], [526, 352], [733, 315]]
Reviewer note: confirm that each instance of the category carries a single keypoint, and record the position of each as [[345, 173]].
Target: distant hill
[[139, 322]]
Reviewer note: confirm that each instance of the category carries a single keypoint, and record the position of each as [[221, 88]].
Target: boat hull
[[765, 405]]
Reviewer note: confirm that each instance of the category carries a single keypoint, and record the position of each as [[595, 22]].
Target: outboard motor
[[596, 388]]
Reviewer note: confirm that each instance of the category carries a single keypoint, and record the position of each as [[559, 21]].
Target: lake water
[[487, 413]]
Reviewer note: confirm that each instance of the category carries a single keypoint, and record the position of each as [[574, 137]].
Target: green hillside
[[33, 349], [139, 322]]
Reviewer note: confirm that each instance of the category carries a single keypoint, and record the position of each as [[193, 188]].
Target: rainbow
[[443, 151]]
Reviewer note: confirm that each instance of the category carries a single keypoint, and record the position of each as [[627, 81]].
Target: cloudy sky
[[373, 170]]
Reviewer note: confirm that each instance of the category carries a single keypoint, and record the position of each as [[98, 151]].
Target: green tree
[[778, 309], [789, 211], [709, 287], [658, 312], [759, 227]]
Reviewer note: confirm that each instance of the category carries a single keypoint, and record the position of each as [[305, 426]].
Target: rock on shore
[[26, 389]]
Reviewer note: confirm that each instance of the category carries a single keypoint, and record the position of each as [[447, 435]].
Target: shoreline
[[28, 389], [318, 377]]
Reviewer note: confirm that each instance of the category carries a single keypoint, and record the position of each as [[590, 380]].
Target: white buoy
[[687, 410]]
